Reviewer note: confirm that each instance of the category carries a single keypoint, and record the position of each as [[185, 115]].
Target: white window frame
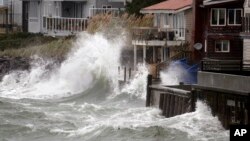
[[221, 42], [234, 16], [218, 17]]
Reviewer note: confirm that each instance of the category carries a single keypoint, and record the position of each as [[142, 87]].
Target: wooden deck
[[152, 36], [238, 67]]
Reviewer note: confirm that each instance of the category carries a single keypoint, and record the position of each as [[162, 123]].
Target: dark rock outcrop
[[8, 64]]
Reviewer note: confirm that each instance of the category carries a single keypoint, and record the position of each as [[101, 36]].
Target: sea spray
[[173, 74], [93, 57], [137, 86]]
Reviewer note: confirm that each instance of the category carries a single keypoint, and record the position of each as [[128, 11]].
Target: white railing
[[61, 24], [113, 11]]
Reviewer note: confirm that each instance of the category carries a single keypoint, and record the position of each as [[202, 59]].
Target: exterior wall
[[14, 13], [4, 2], [17, 12], [100, 3], [217, 80], [89, 4], [228, 32], [246, 51], [236, 46], [189, 24]]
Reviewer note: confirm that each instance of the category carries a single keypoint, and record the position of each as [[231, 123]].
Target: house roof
[[170, 5]]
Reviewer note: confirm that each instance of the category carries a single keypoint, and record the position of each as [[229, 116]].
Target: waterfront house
[[172, 30], [64, 17], [218, 25]]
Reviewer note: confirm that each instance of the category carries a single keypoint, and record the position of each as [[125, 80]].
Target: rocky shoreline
[[8, 64]]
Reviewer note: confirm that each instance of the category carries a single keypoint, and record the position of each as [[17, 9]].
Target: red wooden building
[[218, 25]]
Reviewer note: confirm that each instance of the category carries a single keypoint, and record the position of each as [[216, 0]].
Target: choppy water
[[79, 100]]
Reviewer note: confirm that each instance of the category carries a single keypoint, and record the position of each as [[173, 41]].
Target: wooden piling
[[130, 73], [171, 111], [119, 72], [161, 103], [248, 109], [193, 99], [176, 104], [179, 105], [168, 107], [149, 83], [125, 74]]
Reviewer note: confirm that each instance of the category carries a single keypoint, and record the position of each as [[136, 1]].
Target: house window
[[234, 16], [218, 17], [222, 46], [179, 25], [1, 2]]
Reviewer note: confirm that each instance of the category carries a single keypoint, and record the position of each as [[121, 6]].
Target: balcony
[[113, 11], [60, 26], [153, 36], [225, 66]]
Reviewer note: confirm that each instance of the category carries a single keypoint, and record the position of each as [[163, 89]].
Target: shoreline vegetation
[[26, 45]]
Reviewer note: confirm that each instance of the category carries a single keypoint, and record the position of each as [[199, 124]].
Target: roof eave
[[145, 11], [217, 2]]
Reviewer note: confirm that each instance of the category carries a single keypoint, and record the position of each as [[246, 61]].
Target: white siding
[[89, 4], [246, 51], [17, 12]]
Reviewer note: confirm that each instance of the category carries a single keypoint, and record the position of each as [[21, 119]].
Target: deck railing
[[246, 24], [114, 11], [155, 33], [61, 24], [221, 65]]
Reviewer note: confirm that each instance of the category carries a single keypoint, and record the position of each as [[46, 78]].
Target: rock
[[8, 64]]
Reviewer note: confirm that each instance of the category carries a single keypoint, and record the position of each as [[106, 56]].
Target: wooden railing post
[[148, 96], [193, 100], [119, 70], [125, 74], [129, 73]]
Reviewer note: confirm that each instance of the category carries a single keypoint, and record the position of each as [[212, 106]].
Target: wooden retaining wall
[[231, 107], [172, 101]]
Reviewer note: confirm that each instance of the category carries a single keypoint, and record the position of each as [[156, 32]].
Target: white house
[[64, 17], [172, 27]]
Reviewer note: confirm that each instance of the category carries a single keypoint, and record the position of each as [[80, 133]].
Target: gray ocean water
[[80, 101]]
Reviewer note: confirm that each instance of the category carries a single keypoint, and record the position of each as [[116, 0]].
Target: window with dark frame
[[222, 46], [218, 16], [234, 16]]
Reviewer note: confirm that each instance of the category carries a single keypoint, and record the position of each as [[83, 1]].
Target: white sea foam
[[93, 57]]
